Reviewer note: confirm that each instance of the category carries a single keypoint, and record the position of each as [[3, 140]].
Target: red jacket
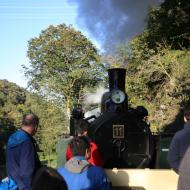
[[95, 158]]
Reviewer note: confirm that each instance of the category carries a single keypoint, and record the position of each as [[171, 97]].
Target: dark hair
[[82, 126], [30, 119], [48, 178], [187, 112], [79, 145]]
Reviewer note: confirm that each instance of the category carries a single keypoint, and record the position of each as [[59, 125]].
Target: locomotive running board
[[146, 179]]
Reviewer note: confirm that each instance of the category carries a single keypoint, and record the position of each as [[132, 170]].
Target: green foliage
[[140, 49], [11, 97], [168, 24], [52, 124], [62, 63], [16, 101], [161, 84]]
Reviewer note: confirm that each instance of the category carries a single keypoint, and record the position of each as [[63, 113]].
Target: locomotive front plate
[[118, 131]]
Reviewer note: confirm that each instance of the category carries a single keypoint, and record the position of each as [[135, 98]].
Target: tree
[[167, 25], [161, 84], [14, 103], [52, 122], [170, 23], [62, 63]]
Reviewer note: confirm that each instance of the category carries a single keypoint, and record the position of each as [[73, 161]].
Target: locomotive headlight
[[117, 96]]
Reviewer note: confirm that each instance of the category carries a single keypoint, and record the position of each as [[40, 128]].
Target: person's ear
[[84, 134], [185, 120]]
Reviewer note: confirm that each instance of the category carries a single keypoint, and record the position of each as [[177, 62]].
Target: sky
[[106, 22], [21, 20]]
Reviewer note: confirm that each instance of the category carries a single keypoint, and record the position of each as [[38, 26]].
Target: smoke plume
[[113, 22]]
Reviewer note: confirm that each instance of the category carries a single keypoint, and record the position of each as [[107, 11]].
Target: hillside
[[16, 101]]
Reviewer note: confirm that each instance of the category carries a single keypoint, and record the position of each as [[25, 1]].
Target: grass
[[49, 160]]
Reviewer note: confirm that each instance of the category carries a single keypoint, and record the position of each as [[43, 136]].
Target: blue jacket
[[21, 159], [8, 184], [80, 175], [178, 146]]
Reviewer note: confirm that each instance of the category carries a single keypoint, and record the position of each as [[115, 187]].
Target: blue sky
[[21, 20]]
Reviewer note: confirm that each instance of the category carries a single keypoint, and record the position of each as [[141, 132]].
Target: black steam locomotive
[[123, 134]]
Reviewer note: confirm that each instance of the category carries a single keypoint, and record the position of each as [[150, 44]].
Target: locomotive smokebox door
[[124, 140], [118, 139]]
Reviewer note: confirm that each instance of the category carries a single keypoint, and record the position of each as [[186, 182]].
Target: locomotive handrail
[[136, 154], [142, 162], [145, 156]]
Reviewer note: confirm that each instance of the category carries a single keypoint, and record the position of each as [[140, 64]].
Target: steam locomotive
[[122, 133]]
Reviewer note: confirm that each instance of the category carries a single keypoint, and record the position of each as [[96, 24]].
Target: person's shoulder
[[93, 145], [187, 154], [97, 174], [184, 166], [96, 169], [180, 134], [17, 138], [61, 170]]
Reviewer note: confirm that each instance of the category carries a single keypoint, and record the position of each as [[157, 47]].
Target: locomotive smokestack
[[115, 100], [117, 79]]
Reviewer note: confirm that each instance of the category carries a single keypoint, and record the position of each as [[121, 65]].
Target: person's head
[[82, 127], [80, 146], [48, 178], [30, 123], [187, 113]]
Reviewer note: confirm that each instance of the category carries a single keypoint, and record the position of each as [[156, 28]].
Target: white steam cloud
[[95, 98]]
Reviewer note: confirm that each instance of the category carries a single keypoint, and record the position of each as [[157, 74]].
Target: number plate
[[118, 131]]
